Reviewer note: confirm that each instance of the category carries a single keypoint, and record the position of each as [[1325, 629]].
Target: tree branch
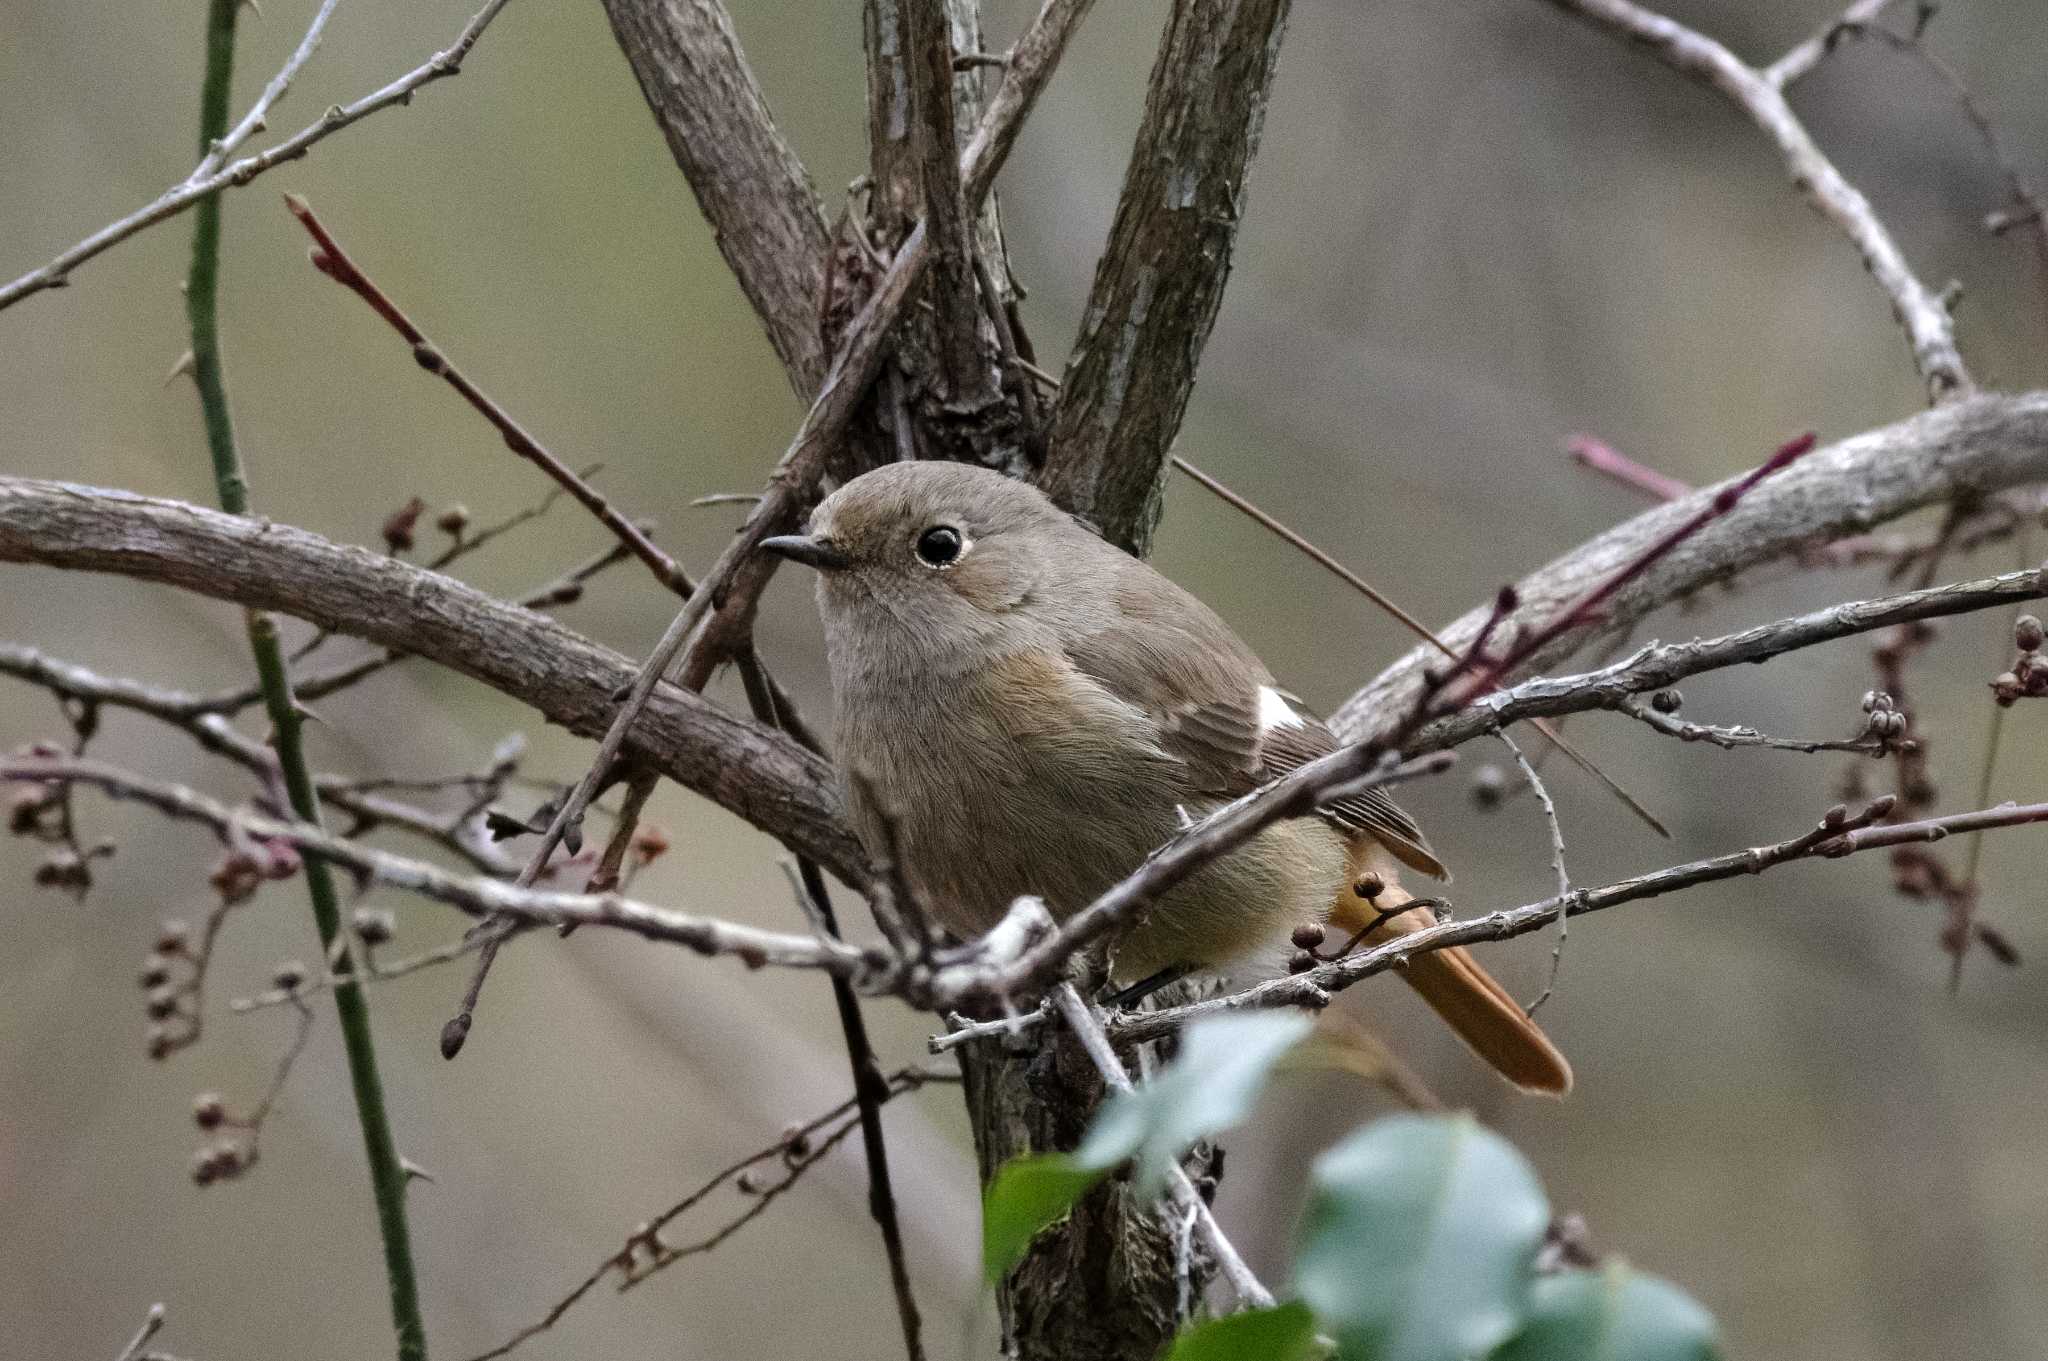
[[1920, 311], [193, 189], [760, 775], [477, 897], [1161, 277], [749, 183], [1839, 834], [1959, 451]]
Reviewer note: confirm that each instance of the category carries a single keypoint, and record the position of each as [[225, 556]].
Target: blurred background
[[1473, 229]]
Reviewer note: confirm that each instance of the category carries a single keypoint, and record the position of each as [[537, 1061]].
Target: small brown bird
[[1030, 710]]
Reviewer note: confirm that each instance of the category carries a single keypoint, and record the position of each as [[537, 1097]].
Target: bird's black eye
[[939, 546]]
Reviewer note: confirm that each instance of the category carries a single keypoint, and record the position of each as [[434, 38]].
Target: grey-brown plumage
[[1027, 709]]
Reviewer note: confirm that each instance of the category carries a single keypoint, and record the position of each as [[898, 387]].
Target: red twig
[[1589, 451], [329, 258], [1588, 606]]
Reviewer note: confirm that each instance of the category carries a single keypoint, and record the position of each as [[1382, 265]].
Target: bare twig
[[1564, 878], [1350, 578], [287, 717], [477, 897], [330, 259], [183, 195], [793, 1153], [1729, 737], [1811, 52], [756, 773], [1839, 834], [1657, 665], [136, 1350], [1342, 774], [1605, 459], [1920, 310], [1488, 672], [257, 119], [1087, 1028], [190, 714], [1955, 452], [868, 1088]]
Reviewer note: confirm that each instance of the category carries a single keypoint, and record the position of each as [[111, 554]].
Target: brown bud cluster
[[2027, 678], [169, 979], [400, 528], [223, 1160]]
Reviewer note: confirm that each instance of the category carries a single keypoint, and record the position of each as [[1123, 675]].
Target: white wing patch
[[1276, 712]]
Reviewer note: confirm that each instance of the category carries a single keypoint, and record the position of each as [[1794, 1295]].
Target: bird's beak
[[808, 549]]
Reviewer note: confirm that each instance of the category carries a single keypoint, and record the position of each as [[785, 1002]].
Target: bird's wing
[[1217, 710]]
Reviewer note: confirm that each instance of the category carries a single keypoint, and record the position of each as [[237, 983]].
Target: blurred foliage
[[1472, 230]]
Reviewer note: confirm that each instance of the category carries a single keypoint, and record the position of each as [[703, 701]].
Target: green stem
[[202, 290]]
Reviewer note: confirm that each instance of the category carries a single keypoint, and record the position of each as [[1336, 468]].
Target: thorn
[[413, 1171], [187, 362]]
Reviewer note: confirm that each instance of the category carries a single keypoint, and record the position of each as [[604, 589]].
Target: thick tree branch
[[1761, 98], [1161, 277], [951, 226], [1956, 452], [760, 775], [750, 184]]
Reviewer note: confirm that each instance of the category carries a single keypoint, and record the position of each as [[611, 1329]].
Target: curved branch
[[1965, 449], [758, 774], [1920, 310]]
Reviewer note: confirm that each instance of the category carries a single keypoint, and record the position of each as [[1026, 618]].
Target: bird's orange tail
[[1456, 988]]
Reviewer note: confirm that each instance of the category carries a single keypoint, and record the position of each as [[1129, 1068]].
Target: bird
[[1025, 708]]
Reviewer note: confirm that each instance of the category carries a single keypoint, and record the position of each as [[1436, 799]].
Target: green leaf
[[1419, 1240], [1286, 1332], [1026, 1195], [1223, 1065], [1614, 1314]]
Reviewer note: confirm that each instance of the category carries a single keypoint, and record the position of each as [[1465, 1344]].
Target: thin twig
[[1920, 310], [152, 1324], [478, 897], [868, 1088], [330, 259], [1564, 878], [1342, 774], [1658, 665], [187, 192], [796, 1150], [1087, 1028], [1350, 578], [1590, 452], [257, 119], [1729, 737], [1839, 834], [1803, 57]]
